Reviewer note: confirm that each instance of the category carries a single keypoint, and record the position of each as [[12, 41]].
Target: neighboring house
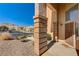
[[13, 27], [59, 20]]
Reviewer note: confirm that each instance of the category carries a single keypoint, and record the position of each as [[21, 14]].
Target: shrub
[[5, 36], [24, 36], [49, 36], [25, 40], [21, 37]]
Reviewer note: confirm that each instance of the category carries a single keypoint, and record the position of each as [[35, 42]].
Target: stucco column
[[40, 29]]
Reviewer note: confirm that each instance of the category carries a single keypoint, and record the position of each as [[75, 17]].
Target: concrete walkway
[[60, 49]]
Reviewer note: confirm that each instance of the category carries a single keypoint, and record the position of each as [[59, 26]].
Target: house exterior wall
[[62, 20], [49, 16], [56, 13], [52, 18], [62, 17]]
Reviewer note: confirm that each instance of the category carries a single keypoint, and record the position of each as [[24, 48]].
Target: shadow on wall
[[77, 52], [51, 44], [77, 46], [49, 38], [70, 40]]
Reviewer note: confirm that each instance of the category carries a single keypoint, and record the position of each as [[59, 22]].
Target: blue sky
[[17, 13]]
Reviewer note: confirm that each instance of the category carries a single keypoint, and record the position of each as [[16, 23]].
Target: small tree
[[4, 28]]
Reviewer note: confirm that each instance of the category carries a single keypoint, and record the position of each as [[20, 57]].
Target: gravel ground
[[16, 48]]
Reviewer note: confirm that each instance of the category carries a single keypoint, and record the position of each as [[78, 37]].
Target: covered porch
[[53, 19]]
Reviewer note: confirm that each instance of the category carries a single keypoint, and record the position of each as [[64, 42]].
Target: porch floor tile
[[60, 49]]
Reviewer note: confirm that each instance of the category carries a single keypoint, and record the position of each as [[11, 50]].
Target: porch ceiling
[[60, 5]]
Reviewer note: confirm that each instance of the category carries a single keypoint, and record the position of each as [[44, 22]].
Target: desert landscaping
[[19, 46], [14, 42]]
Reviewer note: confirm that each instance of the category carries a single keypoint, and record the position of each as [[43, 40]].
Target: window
[[72, 13]]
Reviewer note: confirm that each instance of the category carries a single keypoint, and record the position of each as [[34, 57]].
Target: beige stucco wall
[[49, 16], [52, 17], [61, 17], [54, 12], [57, 12], [62, 13]]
